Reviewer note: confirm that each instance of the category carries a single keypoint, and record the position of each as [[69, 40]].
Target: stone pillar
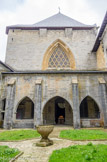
[[8, 119], [1, 107], [38, 99], [76, 110], [103, 99]]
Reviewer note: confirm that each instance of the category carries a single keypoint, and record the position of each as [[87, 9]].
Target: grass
[[6, 153], [83, 134], [80, 153], [15, 135]]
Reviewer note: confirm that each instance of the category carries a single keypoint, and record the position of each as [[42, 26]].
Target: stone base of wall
[[91, 123], [23, 124], [85, 123]]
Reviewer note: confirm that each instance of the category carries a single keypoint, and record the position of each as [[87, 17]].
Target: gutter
[[55, 72]]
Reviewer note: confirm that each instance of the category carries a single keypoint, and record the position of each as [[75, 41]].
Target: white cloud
[[10, 5], [33, 11]]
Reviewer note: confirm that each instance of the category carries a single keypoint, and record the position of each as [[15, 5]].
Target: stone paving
[[32, 153]]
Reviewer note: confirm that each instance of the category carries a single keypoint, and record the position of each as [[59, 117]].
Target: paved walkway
[[32, 153]]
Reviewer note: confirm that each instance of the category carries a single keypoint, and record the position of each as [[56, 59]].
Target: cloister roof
[[6, 66], [103, 26]]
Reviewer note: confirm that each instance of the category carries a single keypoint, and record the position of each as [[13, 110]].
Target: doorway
[[57, 111]]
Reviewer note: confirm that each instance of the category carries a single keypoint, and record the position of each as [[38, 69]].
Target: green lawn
[[80, 153], [15, 135], [6, 153], [83, 134]]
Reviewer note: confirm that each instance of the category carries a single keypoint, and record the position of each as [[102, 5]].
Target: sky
[[14, 12]]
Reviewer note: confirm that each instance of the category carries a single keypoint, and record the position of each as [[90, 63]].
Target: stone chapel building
[[55, 72]]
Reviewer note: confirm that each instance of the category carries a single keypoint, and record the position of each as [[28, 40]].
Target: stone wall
[[101, 61], [68, 115], [26, 49], [49, 113], [2, 92], [104, 40]]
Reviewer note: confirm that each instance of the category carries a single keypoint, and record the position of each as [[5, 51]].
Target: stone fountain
[[44, 131]]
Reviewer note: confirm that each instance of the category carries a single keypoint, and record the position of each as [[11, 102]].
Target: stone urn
[[44, 131]]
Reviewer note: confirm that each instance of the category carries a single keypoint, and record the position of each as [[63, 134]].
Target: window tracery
[[58, 59]]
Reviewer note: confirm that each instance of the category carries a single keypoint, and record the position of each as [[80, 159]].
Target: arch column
[[76, 111], [0, 110], [38, 100], [103, 97], [9, 105]]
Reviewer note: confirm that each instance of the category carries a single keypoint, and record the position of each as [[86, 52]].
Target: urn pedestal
[[44, 131]]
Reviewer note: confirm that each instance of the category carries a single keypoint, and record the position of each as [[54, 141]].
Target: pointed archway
[[25, 109], [2, 114], [57, 111], [90, 113], [58, 55], [89, 108]]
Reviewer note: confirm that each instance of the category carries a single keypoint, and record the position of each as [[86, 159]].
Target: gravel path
[[32, 153]]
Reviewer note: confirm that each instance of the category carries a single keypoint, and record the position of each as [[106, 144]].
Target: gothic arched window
[[25, 109], [58, 59], [89, 108]]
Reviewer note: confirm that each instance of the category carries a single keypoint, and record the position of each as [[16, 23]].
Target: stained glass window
[[58, 59]]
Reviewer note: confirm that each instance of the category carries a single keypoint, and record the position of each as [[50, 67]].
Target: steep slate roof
[[97, 42], [60, 20], [57, 21], [6, 66]]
